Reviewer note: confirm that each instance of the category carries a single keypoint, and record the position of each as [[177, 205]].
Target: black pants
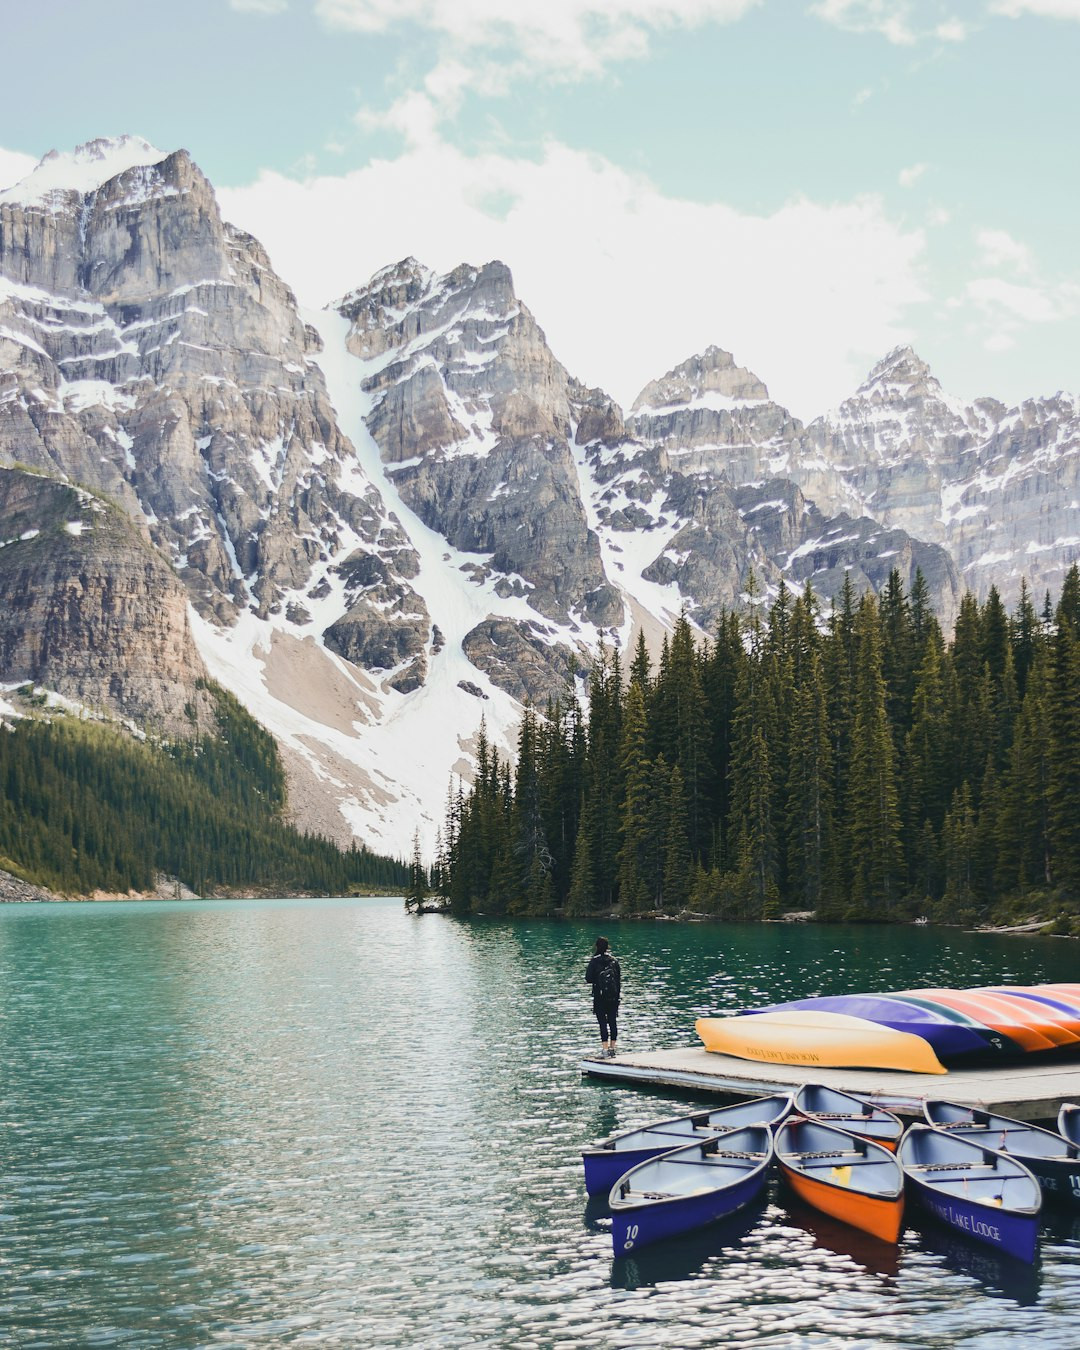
[[606, 1017]]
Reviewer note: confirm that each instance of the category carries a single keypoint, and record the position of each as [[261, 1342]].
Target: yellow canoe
[[818, 1040]]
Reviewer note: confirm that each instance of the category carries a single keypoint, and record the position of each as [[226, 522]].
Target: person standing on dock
[[605, 976]]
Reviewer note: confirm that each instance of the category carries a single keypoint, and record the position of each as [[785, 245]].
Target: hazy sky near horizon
[[806, 183]]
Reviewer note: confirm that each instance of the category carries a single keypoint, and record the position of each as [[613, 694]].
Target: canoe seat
[[840, 1115], [950, 1167], [820, 1153]]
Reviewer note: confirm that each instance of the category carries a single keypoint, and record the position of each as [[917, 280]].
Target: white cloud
[[259, 6], [1006, 305], [1009, 301], [490, 47], [895, 20], [998, 249], [14, 166], [1047, 9], [910, 176], [570, 38], [890, 18], [625, 281]]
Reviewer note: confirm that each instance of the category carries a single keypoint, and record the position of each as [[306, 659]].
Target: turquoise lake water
[[328, 1123]]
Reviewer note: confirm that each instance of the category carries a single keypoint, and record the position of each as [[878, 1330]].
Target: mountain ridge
[[401, 514]]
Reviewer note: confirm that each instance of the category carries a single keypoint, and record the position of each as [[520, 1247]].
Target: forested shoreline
[[853, 764], [85, 808]]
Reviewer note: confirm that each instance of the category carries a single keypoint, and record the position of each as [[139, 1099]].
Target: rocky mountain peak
[[711, 378], [82, 170], [900, 375]]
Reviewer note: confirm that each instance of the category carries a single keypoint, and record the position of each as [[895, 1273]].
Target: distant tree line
[[85, 807], [855, 764]]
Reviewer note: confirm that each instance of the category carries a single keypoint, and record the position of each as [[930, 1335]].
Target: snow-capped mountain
[[999, 487], [401, 514]]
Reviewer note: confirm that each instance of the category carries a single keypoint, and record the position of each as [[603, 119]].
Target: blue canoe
[[689, 1187], [988, 1196], [1052, 1160], [607, 1161], [845, 1112], [1068, 1122]]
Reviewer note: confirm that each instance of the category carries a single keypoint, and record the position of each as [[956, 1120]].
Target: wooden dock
[[1026, 1091]]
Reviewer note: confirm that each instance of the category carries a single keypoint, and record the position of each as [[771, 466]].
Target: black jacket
[[595, 963]]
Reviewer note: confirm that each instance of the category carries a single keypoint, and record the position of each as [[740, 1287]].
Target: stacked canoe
[[918, 1030]]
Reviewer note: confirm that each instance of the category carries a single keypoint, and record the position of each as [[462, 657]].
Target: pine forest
[[851, 764], [84, 807]]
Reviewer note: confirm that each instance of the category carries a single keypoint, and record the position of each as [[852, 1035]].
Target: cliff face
[[471, 413], [150, 352], [89, 609], [696, 490], [996, 486]]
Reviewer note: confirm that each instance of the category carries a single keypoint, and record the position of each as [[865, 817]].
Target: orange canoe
[[1031, 1031], [817, 1040], [1056, 1008], [851, 1179]]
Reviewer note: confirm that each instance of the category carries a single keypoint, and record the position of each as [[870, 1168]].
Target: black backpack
[[606, 981]]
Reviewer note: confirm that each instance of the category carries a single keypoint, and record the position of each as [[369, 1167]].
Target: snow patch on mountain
[[84, 170]]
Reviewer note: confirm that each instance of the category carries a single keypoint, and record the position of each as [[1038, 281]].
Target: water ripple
[[330, 1124]]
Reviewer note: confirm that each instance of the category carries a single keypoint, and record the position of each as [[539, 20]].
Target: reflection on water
[[994, 1272], [686, 1258], [873, 1255], [287, 1123]]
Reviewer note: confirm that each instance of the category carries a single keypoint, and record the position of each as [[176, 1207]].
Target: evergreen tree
[[809, 797], [1064, 710], [633, 851], [873, 822], [417, 891], [677, 856]]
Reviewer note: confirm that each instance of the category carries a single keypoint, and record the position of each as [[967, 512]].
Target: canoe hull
[[879, 1217], [817, 1040], [987, 1195], [1052, 1160], [603, 1167], [852, 1114], [1058, 1178], [646, 1224], [607, 1162], [1014, 1234], [849, 1178]]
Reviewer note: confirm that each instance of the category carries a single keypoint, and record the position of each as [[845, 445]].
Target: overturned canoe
[[851, 1179], [818, 1040], [689, 1187], [607, 1161], [1026, 1025], [988, 1196], [952, 1035], [961, 1026]]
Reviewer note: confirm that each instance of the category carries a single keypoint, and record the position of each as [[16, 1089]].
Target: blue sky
[[804, 182]]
